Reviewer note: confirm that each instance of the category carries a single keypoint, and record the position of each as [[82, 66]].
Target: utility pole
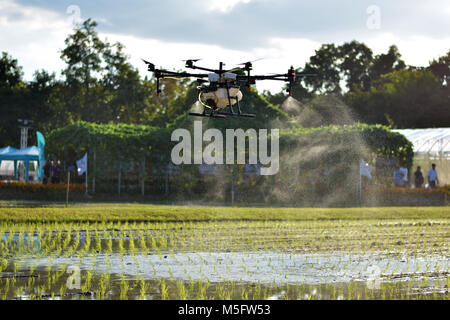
[[24, 126], [232, 185]]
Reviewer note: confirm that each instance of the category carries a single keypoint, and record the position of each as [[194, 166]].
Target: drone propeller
[[244, 63], [190, 62], [151, 66]]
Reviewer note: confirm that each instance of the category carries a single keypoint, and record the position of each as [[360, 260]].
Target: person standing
[[404, 172], [398, 178], [433, 180], [418, 178], [47, 172], [55, 172]]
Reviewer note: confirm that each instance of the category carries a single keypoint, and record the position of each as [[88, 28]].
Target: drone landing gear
[[212, 114], [239, 114], [232, 113]]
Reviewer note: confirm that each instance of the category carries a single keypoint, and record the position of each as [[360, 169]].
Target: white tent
[[431, 146], [7, 170], [434, 142]]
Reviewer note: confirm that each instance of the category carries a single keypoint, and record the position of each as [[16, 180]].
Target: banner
[[365, 169], [82, 165], [41, 146]]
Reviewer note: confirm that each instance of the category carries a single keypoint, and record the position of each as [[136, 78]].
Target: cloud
[[239, 24], [33, 36], [283, 32], [277, 57]]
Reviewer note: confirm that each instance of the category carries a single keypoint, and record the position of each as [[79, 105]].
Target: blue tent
[[29, 154], [7, 150], [26, 155]]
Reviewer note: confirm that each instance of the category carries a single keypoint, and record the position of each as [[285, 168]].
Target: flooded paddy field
[[336, 259]]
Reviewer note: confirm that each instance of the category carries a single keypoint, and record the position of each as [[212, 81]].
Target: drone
[[220, 88]]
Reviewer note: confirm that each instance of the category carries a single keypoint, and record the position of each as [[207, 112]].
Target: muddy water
[[259, 267]]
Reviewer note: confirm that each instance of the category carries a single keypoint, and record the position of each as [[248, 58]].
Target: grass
[[166, 213]]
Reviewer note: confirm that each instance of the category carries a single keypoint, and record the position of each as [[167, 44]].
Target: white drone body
[[220, 95]]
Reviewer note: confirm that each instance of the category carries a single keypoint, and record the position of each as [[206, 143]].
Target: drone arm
[[172, 74], [158, 90], [280, 77], [201, 68]]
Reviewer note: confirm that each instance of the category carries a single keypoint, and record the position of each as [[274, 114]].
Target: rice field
[[395, 253]]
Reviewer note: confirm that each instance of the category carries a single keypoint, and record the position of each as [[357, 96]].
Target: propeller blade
[[151, 66], [193, 60], [243, 64]]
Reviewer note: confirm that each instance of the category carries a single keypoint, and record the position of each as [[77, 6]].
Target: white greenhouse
[[431, 146]]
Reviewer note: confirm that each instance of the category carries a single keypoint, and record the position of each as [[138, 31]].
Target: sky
[[280, 32]]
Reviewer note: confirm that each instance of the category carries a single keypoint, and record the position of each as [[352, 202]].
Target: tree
[[352, 62], [10, 72], [83, 58], [356, 60], [39, 102], [386, 63], [124, 93], [410, 98], [441, 68], [12, 99], [324, 64], [101, 85]]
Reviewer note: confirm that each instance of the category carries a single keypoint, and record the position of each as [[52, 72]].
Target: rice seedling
[[164, 290], [193, 249]]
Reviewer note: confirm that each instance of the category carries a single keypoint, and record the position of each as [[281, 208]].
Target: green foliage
[[410, 98], [10, 72], [163, 213], [378, 140], [119, 141], [11, 99], [338, 148], [353, 62]]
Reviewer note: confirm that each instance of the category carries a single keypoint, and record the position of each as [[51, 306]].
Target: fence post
[[94, 171], [232, 186], [143, 177], [67, 193], [167, 183], [120, 174]]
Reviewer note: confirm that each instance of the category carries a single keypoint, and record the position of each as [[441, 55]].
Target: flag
[[82, 165], [365, 169], [41, 146], [40, 140]]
